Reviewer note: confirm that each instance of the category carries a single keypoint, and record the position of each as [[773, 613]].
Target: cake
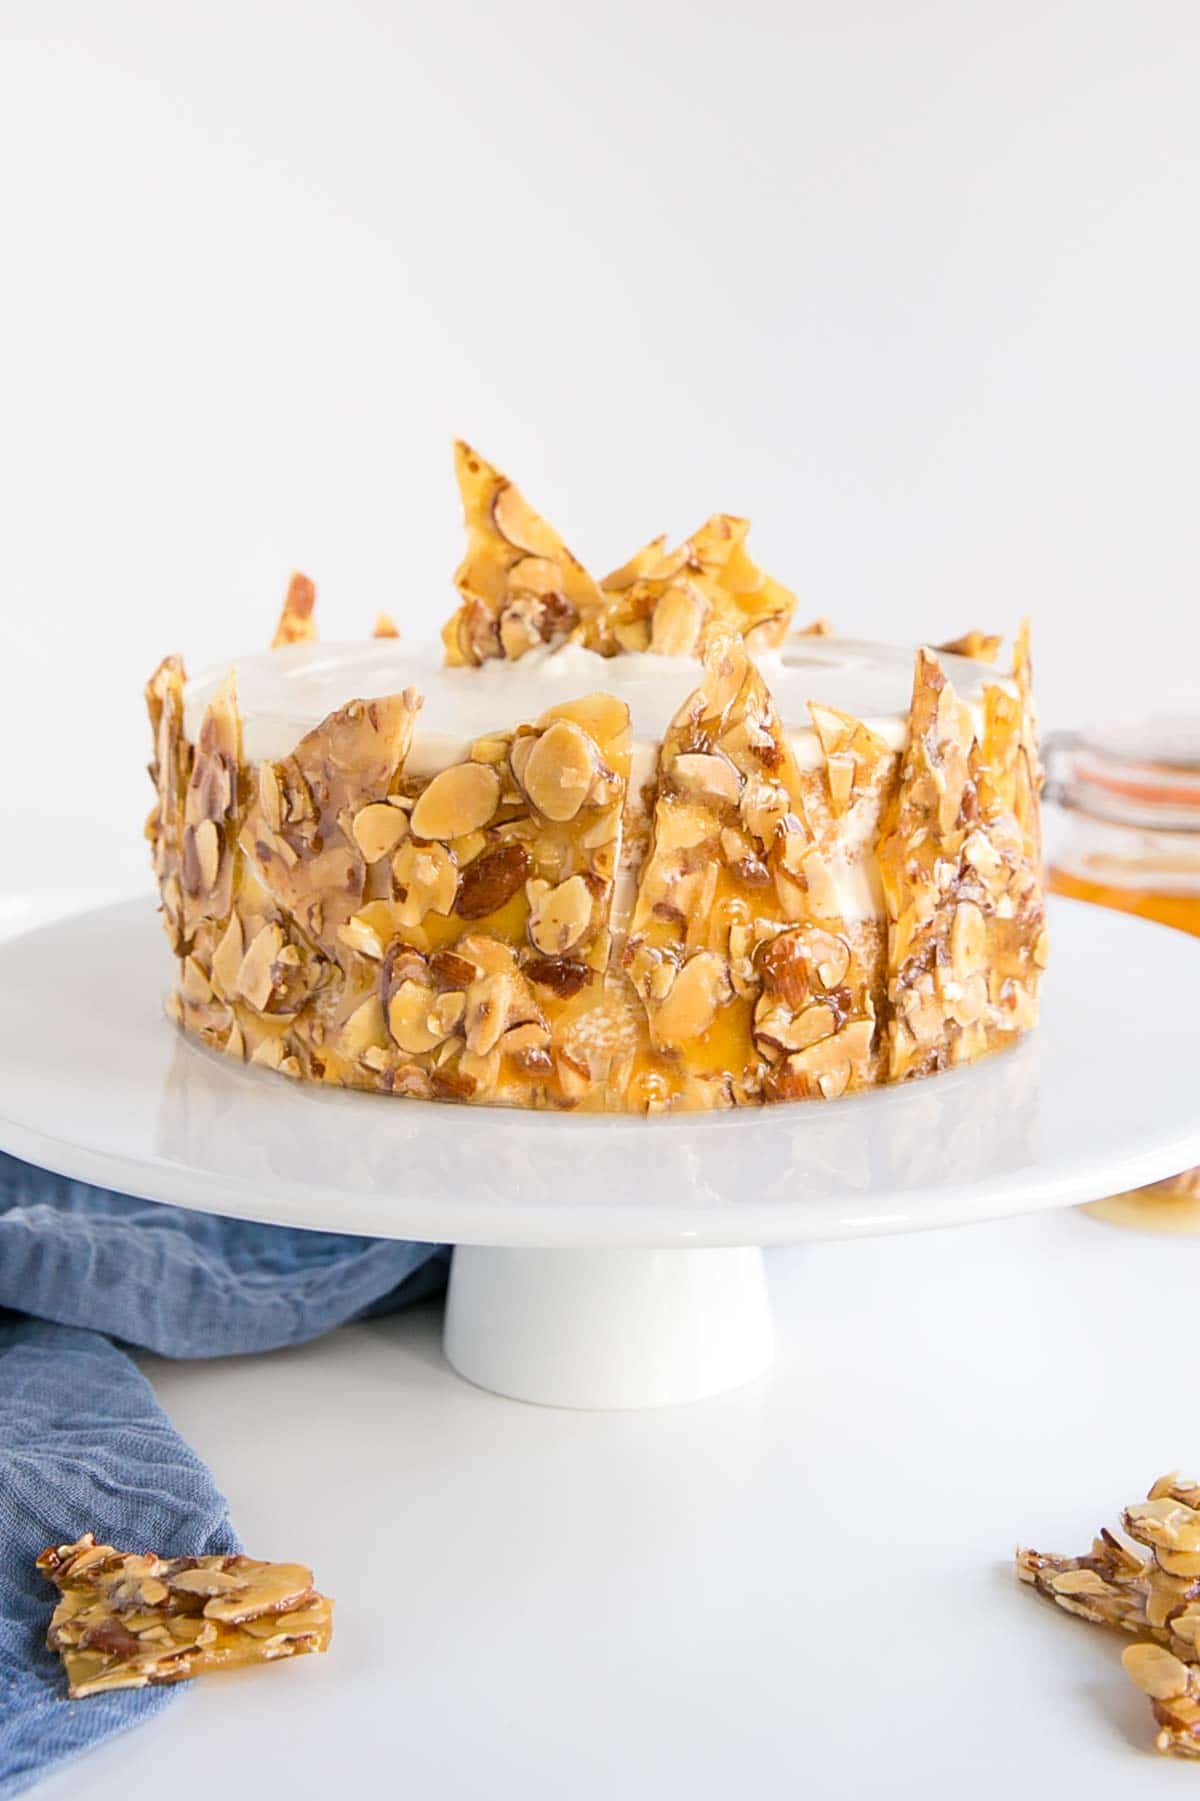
[[630, 845]]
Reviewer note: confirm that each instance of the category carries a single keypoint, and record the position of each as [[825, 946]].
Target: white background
[[915, 286]]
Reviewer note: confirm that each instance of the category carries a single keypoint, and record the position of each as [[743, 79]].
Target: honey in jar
[[1124, 821]]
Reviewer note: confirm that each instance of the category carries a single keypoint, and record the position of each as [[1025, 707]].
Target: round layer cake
[[623, 883], [621, 845]]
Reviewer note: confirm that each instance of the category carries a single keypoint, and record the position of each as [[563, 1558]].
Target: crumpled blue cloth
[[84, 1445]]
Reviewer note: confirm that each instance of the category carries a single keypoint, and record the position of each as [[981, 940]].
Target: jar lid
[[1143, 774]]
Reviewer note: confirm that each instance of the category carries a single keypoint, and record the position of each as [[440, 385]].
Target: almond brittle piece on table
[[1174, 1689], [961, 880], [1156, 1597], [735, 945], [520, 585], [677, 602], [1112, 1586], [127, 1620], [296, 623], [483, 952]]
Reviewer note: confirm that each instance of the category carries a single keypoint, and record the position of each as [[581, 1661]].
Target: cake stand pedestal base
[[608, 1328]]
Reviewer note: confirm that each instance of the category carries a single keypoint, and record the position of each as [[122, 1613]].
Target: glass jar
[[1123, 830]]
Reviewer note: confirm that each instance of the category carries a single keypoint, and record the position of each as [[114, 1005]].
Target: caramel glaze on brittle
[[129, 1620], [528, 928]]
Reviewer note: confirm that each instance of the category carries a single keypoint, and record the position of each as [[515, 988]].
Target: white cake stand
[[602, 1262]]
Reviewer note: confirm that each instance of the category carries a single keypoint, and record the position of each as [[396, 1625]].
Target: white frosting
[[282, 694]]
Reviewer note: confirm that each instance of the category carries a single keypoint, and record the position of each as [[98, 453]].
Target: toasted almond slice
[[458, 800], [378, 829]]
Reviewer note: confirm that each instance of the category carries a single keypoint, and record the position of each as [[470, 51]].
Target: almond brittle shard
[[1155, 1597], [214, 806], [169, 770], [211, 810], [1030, 775], [1174, 1690], [736, 946], [131, 1620], [856, 758], [488, 934], [519, 584], [966, 930], [677, 602], [296, 622], [299, 835], [982, 647]]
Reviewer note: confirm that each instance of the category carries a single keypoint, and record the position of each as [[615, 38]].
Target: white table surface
[[801, 1587], [804, 1586]]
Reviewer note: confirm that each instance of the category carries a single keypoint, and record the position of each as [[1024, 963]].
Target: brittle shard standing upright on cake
[[737, 945], [959, 863]]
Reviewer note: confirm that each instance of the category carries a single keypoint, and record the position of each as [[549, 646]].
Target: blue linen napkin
[[84, 1445]]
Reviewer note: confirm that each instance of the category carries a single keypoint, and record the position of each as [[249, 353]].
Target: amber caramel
[[1181, 910]]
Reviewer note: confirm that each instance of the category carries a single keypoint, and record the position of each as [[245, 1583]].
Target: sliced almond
[[378, 829], [208, 854], [357, 935], [525, 530], [427, 880], [1156, 1671], [255, 976], [696, 994], [708, 777], [678, 622], [559, 770], [194, 984], [365, 1028], [559, 916], [268, 1054], [415, 1017], [488, 1003], [227, 958], [968, 939], [458, 800]]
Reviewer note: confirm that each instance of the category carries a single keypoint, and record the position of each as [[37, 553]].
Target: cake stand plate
[[602, 1261]]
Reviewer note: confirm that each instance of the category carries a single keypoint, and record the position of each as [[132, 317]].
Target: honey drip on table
[[1173, 1205]]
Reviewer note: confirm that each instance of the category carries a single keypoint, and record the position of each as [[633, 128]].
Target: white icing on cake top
[[284, 693]]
